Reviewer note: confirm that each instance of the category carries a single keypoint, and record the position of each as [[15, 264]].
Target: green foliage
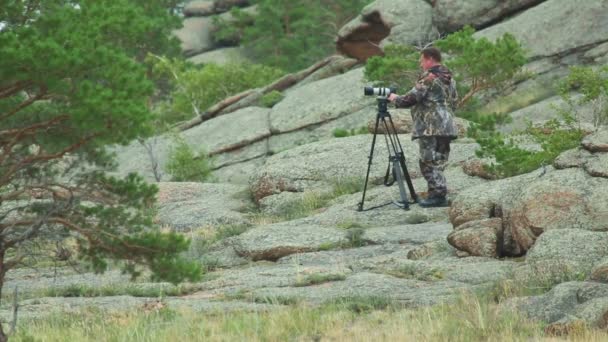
[[398, 67], [230, 31], [72, 83], [184, 165], [271, 99], [593, 85], [477, 64], [195, 88], [342, 133], [553, 139], [295, 34], [480, 64]]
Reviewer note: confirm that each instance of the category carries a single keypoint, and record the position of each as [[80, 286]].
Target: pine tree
[[70, 84]]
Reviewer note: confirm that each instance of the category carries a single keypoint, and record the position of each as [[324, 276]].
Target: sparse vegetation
[[271, 99], [342, 133], [319, 278], [470, 318], [185, 165]]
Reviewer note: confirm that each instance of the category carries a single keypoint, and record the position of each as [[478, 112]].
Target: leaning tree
[[71, 83]]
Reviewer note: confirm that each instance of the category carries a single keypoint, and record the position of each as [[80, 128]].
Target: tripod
[[396, 158]]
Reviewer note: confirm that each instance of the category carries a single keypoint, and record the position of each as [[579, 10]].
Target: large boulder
[[450, 15], [397, 22], [199, 8], [572, 25], [195, 35], [531, 204]]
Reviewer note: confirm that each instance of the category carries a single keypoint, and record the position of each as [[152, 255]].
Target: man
[[433, 100]]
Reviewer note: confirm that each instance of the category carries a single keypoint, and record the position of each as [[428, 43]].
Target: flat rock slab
[[414, 234], [185, 206], [195, 35], [320, 101], [409, 292], [278, 240], [572, 25]]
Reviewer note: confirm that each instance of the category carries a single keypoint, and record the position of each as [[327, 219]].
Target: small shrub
[[185, 165], [593, 85], [341, 132], [319, 278], [271, 99]]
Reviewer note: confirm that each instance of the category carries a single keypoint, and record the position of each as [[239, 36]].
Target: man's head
[[429, 57]]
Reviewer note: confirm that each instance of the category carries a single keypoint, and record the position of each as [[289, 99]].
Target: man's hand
[[392, 97]]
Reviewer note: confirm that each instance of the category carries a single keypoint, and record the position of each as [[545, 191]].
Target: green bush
[[553, 139], [593, 85], [398, 67], [185, 165], [342, 132], [230, 32], [197, 88], [271, 99]]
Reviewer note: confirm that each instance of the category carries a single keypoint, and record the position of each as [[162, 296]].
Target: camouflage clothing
[[433, 100], [434, 153]]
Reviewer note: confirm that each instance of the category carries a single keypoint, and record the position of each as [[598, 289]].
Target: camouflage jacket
[[433, 100]]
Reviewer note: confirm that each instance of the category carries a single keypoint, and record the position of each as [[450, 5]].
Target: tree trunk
[[3, 336]]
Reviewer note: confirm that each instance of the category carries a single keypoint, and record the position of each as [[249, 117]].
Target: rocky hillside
[[549, 226]]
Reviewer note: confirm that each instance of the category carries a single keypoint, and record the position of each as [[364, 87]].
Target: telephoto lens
[[371, 91]]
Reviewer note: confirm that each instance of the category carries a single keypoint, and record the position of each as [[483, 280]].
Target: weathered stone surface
[[598, 166], [414, 234], [543, 111], [478, 238], [572, 158], [319, 102], [572, 25], [597, 142], [600, 271], [530, 205], [405, 22], [319, 165], [221, 56], [565, 303], [579, 249], [476, 168], [278, 240], [407, 292], [187, 206], [199, 8], [232, 138], [195, 35], [240, 172], [450, 16]]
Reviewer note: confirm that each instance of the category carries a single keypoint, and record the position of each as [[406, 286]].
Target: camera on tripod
[[384, 92]]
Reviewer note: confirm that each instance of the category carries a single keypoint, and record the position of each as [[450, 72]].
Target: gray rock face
[[404, 22], [597, 142], [232, 138], [530, 205], [450, 16], [565, 304], [195, 35], [187, 206], [572, 25], [275, 241], [320, 101], [221, 56], [578, 248], [478, 238], [199, 8], [320, 164]]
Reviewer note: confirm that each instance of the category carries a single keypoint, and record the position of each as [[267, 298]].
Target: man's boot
[[434, 201]]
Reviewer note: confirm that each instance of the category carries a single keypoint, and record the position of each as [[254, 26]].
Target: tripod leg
[[397, 172], [369, 163], [401, 155]]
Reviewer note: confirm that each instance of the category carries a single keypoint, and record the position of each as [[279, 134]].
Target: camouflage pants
[[434, 153]]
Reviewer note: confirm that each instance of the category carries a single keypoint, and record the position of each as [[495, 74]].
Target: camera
[[384, 92]]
